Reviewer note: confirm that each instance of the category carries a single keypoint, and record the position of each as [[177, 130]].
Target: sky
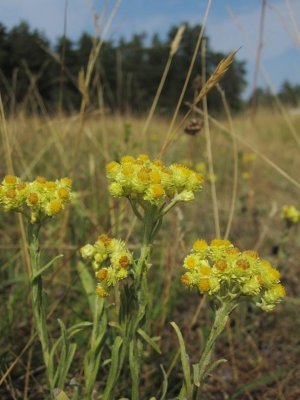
[[231, 24]]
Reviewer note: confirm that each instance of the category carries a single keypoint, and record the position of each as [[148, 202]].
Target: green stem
[[282, 253], [151, 218], [90, 375], [218, 326], [38, 303]]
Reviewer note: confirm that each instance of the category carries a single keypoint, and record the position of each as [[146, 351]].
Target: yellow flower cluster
[[248, 162], [290, 214], [151, 181], [37, 199], [249, 158], [223, 271], [111, 261]]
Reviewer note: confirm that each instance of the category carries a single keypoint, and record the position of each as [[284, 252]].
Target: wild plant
[[39, 201], [227, 276], [220, 271], [152, 189], [224, 274]]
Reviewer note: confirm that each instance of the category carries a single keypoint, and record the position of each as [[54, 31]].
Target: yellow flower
[[143, 180], [63, 193], [40, 179], [127, 160], [246, 176], [87, 251], [32, 198], [111, 260], [200, 245], [101, 292], [221, 265], [155, 193], [187, 280], [204, 285], [143, 157], [290, 214], [36, 199], [54, 207], [222, 271], [11, 194], [272, 297], [249, 158], [102, 274], [10, 180], [190, 262], [115, 189], [220, 243]]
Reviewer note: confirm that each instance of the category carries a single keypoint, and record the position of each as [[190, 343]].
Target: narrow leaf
[[184, 361], [61, 395], [45, 267], [149, 340], [164, 384], [88, 283], [114, 367]]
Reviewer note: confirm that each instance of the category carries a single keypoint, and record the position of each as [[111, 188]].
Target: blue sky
[[231, 24]]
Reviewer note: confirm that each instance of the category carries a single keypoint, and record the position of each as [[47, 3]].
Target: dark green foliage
[[127, 73]]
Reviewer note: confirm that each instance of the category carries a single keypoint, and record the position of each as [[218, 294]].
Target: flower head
[[151, 182], [222, 271], [37, 199], [290, 214], [111, 260]]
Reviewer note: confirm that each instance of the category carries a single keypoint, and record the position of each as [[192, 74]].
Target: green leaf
[[164, 384], [45, 267], [215, 365], [88, 283], [61, 395], [149, 340], [73, 330], [184, 361], [114, 369], [134, 365], [66, 353]]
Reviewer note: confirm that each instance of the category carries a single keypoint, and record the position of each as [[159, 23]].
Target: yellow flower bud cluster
[[248, 163], [37, 199], [249, 158], [151, 181], [222, 271], [111, 261], [290, 214]]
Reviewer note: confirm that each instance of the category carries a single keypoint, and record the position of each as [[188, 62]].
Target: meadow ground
[[262, 349]]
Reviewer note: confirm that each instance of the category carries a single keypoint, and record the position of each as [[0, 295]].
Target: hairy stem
[[219, 324], [38, 303]]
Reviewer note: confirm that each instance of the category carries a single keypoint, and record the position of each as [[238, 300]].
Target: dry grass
[[263, 350]]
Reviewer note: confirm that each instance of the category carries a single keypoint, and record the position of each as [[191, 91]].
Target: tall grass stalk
[[209, 146], [173, 49], [186, 81], [235, 162]]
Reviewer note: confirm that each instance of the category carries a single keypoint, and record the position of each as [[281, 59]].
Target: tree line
[[37, 75]]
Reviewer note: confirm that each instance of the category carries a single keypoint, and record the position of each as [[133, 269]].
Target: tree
[[128, 71]]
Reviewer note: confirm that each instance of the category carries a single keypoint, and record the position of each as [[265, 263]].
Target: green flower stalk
[[39, 201], [152, 189], [228, 276]]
